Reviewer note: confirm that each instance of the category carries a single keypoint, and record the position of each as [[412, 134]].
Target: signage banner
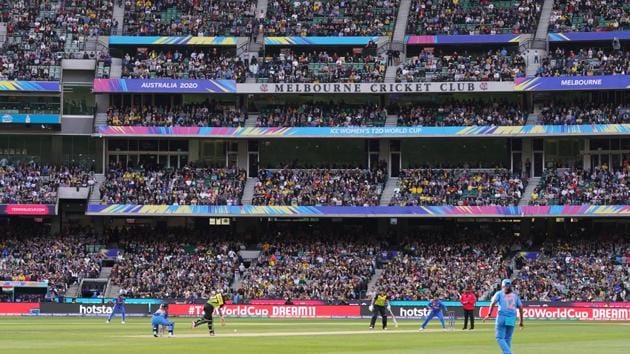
[[320, 40], [18, 308], [588, 36], [573, 83], [563, 83], [271, 311], [370, 132], [570, 313], [30, 86], [55, 308], [27, 209], [463, 39], [377, 88], [171, 41], [163, 86], [349, 211], [23, 284], [18, 118], [413, 312]]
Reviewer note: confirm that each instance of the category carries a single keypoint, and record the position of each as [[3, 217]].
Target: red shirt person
[[468, 300]]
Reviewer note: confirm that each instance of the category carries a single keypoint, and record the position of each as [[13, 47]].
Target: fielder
[[437, 310], [119, 306], [508, 302], [215, 302], [160, 318]]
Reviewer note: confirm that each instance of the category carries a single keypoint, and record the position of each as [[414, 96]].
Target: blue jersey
[[508, 303], [436, 306], [160, 313], [120, 300]]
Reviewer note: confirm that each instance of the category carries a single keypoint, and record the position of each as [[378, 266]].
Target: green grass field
[[69, 335]]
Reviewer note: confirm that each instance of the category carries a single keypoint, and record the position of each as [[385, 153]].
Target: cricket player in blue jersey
[[437, 310], [119, 306], [160, 318], [508, 302]]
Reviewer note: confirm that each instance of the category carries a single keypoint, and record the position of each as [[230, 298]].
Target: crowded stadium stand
[[190, 185], [195, 18], [589, 16], [313, 151], [331, 18], [599, 186], [322, 114], [473, 17]]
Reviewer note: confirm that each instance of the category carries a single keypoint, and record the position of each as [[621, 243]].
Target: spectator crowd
[[585, 113], [572, 186], [473, 17], [173, 263], [207, 114], [29, 252], [584, 62], [306, 263], [441, 267], [349, 187], [191, 18], [457, 187], [578, 270], [300, 267], [321, 67], [495, 65], [211, 65], [186, 186], [331, 18], [322, 114], [462, 114], [38, 184], [589, 16]]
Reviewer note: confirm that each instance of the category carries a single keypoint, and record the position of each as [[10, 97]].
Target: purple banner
[[349, 211], [463, 39], [587, 36], [30, 86], [569, 83], [163, 86]]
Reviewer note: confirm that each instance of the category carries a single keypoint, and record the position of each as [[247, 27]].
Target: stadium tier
[[313, 151]]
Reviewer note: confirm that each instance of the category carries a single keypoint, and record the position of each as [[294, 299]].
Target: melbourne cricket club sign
[[377, 88]]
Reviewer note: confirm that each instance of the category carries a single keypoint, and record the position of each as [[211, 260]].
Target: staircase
[[390, 73], [95, 196], [248, 192], [388, 192], [118, 15], [100, 120], [543, 23], [254, 46], [398, 38], [532, 118], [527, 195], [115, 72], [236, 285], [73, 290], [391, 121], [112, 290], [373, 282], [105, 272], [3, 33], [251, 121]]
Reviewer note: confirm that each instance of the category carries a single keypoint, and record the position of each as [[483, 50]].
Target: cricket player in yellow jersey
[[215, 301]]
